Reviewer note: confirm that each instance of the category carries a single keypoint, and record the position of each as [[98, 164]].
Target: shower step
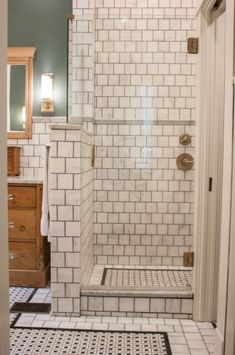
[[136, 302]]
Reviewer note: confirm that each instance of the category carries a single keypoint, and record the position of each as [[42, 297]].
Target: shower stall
[[122, 226]]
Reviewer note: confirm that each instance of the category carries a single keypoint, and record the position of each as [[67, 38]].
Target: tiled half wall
[[71, 216]]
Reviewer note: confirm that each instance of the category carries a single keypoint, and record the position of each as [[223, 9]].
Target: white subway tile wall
[[142, 69], [72, 217], [31, 154], [143, 204], [130, 60]]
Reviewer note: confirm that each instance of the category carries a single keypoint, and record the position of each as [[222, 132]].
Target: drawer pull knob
[[11, 225], [12, 255], [11, 197], [22, 228]]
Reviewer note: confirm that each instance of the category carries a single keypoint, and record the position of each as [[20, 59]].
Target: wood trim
[[24, 56], [21, 52]]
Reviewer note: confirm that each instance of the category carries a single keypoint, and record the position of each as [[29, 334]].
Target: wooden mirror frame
[[24, 56]]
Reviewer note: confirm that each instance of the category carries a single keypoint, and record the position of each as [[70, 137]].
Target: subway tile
[[126, 304]]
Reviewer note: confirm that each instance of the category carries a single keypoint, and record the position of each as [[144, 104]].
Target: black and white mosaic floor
[[43, 334], [20, 294], [67, 342], [117, 277], [34, 341]]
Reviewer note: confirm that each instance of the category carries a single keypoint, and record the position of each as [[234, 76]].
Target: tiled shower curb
[[130, 303]]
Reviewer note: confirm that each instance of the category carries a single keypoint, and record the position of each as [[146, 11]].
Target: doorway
[[210, 160]]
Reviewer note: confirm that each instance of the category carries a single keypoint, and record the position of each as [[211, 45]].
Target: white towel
[[45, 219]]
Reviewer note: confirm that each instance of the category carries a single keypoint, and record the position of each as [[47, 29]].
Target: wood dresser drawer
[[22, 196], [22, 224], [22, 255]]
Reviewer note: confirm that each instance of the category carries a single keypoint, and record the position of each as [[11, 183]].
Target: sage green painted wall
[[43, 24]]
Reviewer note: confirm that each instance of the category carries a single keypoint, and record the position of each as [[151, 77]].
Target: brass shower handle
[[188, 161], [184, 161]]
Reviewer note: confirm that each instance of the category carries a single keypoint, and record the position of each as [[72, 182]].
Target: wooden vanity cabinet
[[29, 252]]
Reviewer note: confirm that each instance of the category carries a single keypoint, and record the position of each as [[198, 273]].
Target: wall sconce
[[47, 92]]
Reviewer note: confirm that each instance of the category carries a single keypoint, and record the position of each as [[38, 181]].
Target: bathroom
[[123, 142]]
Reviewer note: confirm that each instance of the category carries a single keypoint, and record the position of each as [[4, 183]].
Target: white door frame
[[205, 246], [4, 294], [225, 337], [229, 343]]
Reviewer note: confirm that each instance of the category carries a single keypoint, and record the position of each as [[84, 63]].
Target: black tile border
[[164, 334], [12, 324], [33, 293]]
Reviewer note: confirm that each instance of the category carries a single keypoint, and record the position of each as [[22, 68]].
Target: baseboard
[[219, 343]]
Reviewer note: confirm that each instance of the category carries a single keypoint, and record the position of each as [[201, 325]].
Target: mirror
[[19, 90]]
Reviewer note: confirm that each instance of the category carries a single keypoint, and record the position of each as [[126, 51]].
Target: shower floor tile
[[141, 276], [185, 336], [147, 278]]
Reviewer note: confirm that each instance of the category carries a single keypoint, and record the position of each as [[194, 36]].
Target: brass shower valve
[[185, 139], [185, 161]]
